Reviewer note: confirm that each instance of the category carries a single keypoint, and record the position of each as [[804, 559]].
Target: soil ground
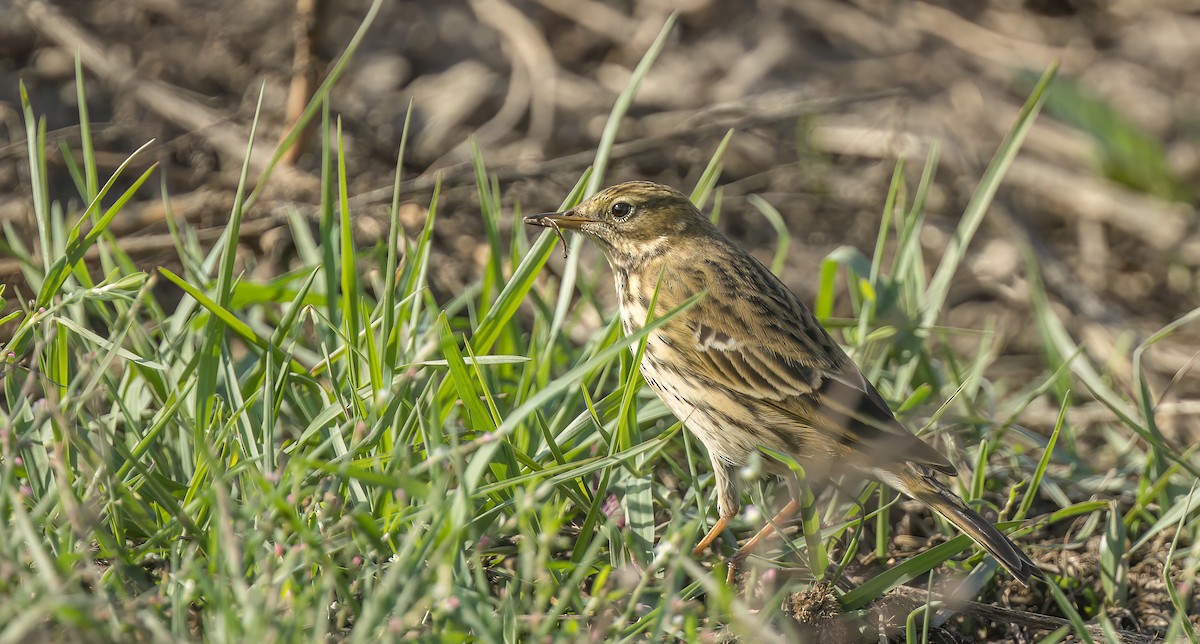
[[823, 96]]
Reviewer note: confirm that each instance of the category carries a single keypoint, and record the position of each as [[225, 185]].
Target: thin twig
[[304, 29]]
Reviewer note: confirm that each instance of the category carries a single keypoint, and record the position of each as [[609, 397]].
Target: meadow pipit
[[748, 365]]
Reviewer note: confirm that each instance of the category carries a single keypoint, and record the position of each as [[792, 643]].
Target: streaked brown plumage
[[749, 365]]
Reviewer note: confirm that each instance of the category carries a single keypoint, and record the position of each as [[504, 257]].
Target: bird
[[748, 365]]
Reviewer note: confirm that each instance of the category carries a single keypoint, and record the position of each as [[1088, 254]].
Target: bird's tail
[[915, 481]]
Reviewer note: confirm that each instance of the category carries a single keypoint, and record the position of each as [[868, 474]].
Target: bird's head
[[634, 222]]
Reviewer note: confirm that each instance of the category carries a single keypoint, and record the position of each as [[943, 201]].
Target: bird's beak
[[568, 219]]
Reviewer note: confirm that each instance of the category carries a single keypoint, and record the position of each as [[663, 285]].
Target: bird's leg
[[712, 535], [727, 503], [738, 557], [793, 505], [781, 516]]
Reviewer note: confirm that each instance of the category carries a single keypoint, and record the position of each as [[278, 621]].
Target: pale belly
[[727, 429]]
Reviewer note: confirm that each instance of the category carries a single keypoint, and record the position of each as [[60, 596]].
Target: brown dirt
[[823, 95]]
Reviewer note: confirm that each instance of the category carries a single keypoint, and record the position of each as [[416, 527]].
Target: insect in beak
[[556, 221]]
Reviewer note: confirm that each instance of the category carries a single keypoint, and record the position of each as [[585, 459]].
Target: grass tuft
[[322, 455]]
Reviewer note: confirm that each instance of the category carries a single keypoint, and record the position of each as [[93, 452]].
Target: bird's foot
[[734, 566], [712, 535]]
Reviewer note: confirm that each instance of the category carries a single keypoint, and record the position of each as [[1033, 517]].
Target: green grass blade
[[939, 286], [609, 136], [776, 220], [395, 232]]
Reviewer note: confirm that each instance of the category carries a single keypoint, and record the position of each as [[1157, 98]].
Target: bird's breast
[[726, 428], [634, 301]]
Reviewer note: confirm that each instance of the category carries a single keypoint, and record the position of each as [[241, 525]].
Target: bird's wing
[[806, 378]]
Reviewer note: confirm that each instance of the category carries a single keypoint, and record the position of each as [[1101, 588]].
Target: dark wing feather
[[794, 367], [850, 402]]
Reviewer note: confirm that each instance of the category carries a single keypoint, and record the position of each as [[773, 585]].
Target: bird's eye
[[621, 210]]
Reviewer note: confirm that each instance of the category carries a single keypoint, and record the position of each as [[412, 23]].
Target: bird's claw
[[733, 565]]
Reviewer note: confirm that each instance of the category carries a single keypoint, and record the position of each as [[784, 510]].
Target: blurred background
[[824, 97]]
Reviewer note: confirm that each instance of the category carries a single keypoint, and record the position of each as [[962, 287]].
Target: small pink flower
[[612, 510]]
